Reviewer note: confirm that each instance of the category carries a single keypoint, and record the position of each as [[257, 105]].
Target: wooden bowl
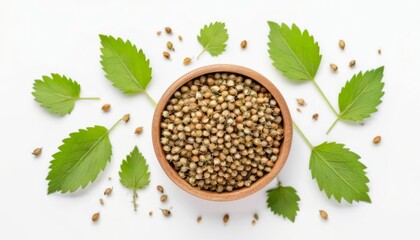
[[242, 192]]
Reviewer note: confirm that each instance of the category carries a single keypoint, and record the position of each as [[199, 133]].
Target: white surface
[[40, 37]]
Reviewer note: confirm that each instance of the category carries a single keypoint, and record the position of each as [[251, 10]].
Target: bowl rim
[[261, 182]]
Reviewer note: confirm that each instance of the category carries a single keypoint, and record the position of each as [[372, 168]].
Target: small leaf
[[361, 95], [124, 65], [283, 201], [80, 159], [294, 53], [134, 173], [56, 93], [339, 172], [213, 38]]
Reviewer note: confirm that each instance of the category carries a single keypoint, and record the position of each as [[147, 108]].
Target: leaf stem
[[324, 97], [302, 135], [150, 99], [115, 124], [135, 200], [89, 98], [332, 126], [201, 53]]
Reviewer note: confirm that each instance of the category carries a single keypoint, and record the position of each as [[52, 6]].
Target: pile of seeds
[[222, 132]]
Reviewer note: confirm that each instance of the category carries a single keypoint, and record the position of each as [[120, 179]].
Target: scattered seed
[[164, 198], [151, 213], [108, 191], [298, 110], [106, 107], [138, 130], [166, 212], [333, 67], [256, 217], [95, 217], [377, 139], [126, 118], [352, 63], [244, 43], [315, 116], [323, 214], [187, 61], [37, 152], [160, 188], [199, 218], [170, 46], [301, 101], [226, 218], [109, 178], [158, 33], [342, 44], [379, 51], [166, 55], [180, 38], [254, 222], [168, 30]]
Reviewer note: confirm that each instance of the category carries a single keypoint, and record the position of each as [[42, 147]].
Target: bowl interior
[[255, 186]]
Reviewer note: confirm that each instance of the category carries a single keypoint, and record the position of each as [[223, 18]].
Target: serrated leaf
[[134, 171], [213, 38], [361, 95], [339, 172], [283, 201], [56, 93], [124, 65], [81, 158], [294, 53]]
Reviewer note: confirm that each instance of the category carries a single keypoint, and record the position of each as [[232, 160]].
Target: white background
[[41, 37]]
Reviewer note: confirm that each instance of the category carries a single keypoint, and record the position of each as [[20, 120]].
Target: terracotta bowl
[[255, 186]]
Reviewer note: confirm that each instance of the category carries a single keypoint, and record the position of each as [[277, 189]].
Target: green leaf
[[361, 95], [294, 53], [134, 173], [339, 172], [56, 93], [283, 201], [124, 65], [213, 38], [80, 159]]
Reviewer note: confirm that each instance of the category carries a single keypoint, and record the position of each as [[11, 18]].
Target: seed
[[163, 198], [256, 217], [95, 217], [101, 201], [377, 139], [254, 222], [168, 30], [158, 33], [126, 118], [166, 212], [166, 55], [106, 107], [333, 67], [199, 218], [379, 51], [342, 44], [301, 101], [108, 191], [298, 110], [323, 214], [315, 116], [180, 38], [151, 213], [225, 218], [37, 152], [109, 178], [160, 188], [244, 43], [139, 130], [187, 61], [352, 63], [170, 46]]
